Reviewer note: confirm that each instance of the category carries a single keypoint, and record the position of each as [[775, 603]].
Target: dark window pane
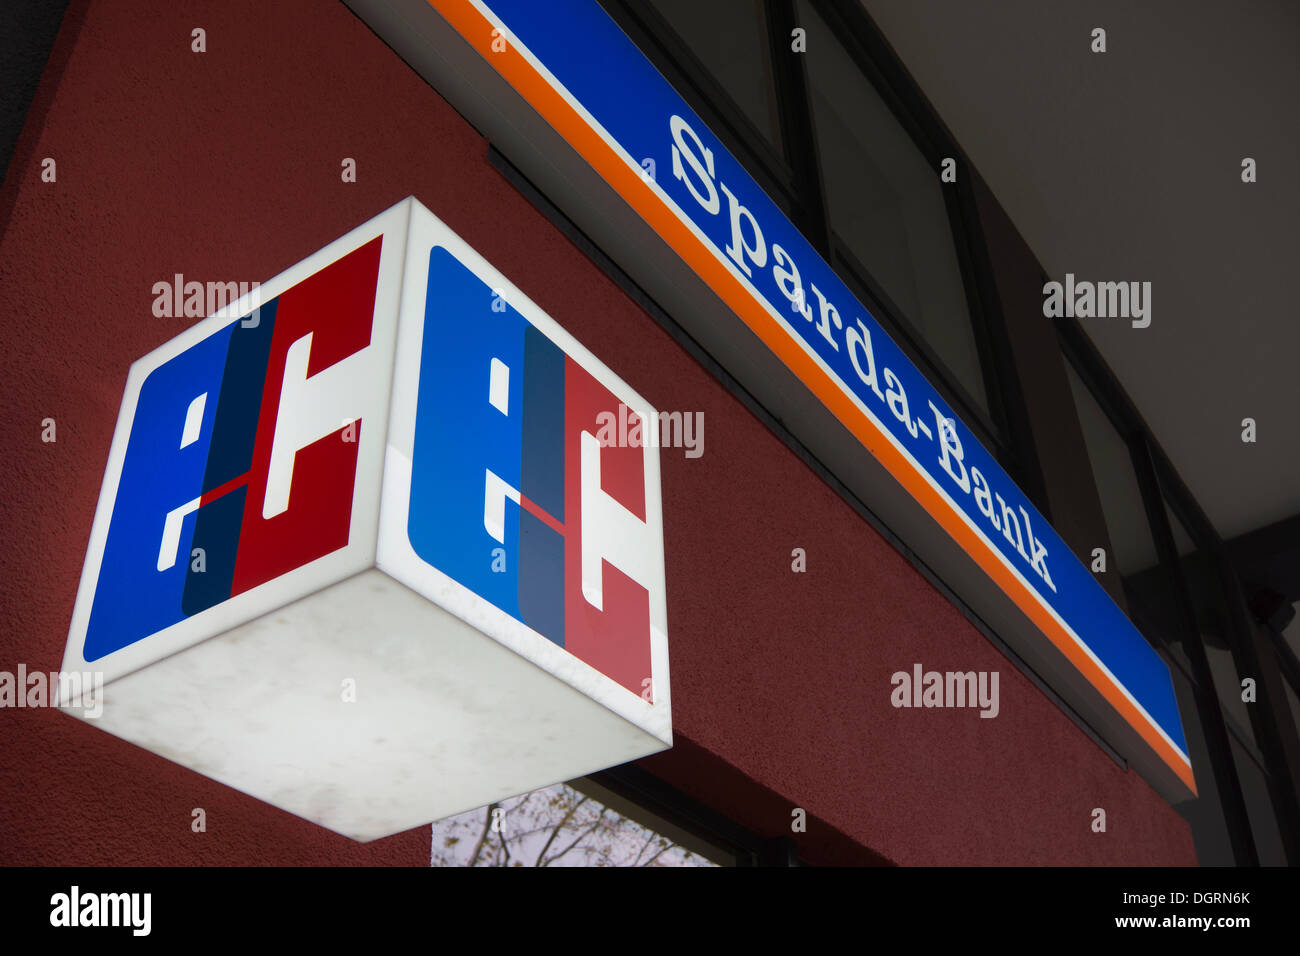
[[1117, 484], [1213, 621], [1259, 807], [886, 205], [730, 38], [1153, 603], [1204, 813]]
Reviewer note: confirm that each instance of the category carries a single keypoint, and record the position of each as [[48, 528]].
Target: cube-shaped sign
[[368, 548]]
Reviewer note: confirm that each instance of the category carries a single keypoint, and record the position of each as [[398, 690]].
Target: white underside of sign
[[438, 717]]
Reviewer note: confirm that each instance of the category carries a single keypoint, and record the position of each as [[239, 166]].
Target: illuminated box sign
[[359, 552], [583, 75]]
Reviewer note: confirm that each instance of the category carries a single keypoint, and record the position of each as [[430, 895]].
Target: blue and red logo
[[242, 460], [240, 466], [512, 496]]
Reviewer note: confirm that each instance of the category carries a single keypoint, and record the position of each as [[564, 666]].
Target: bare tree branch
[[579, 839], [558, 827], [504, 849], [665, 849], [637, 858], [487, 827]]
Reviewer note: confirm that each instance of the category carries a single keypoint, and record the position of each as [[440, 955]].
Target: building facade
[[803, 574]]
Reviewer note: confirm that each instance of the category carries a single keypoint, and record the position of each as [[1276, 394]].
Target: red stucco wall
[[225, 166]]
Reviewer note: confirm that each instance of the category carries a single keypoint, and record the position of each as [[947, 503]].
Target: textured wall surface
[[225, 166]]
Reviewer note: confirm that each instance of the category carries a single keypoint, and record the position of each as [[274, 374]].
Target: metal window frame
[[872, 54], [1161, 486], [672, 57]]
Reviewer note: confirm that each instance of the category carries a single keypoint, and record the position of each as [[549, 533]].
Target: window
[[1259, 806], [556, 826], [827, 149], [1213, 622], [1179, 601], [1205, 813], [1151, 603], [718, 56], [886, 208], [1214, 619], [730, 38]]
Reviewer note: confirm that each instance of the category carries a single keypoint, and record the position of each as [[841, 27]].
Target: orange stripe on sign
[[628, 183]]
